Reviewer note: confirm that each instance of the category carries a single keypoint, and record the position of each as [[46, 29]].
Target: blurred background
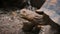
[[52, 8]]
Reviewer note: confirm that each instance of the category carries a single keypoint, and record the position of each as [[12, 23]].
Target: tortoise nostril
[[23, 11]]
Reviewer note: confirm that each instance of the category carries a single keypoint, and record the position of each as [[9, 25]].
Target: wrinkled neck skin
[[53, 24], [52, 28], [49, 26]]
